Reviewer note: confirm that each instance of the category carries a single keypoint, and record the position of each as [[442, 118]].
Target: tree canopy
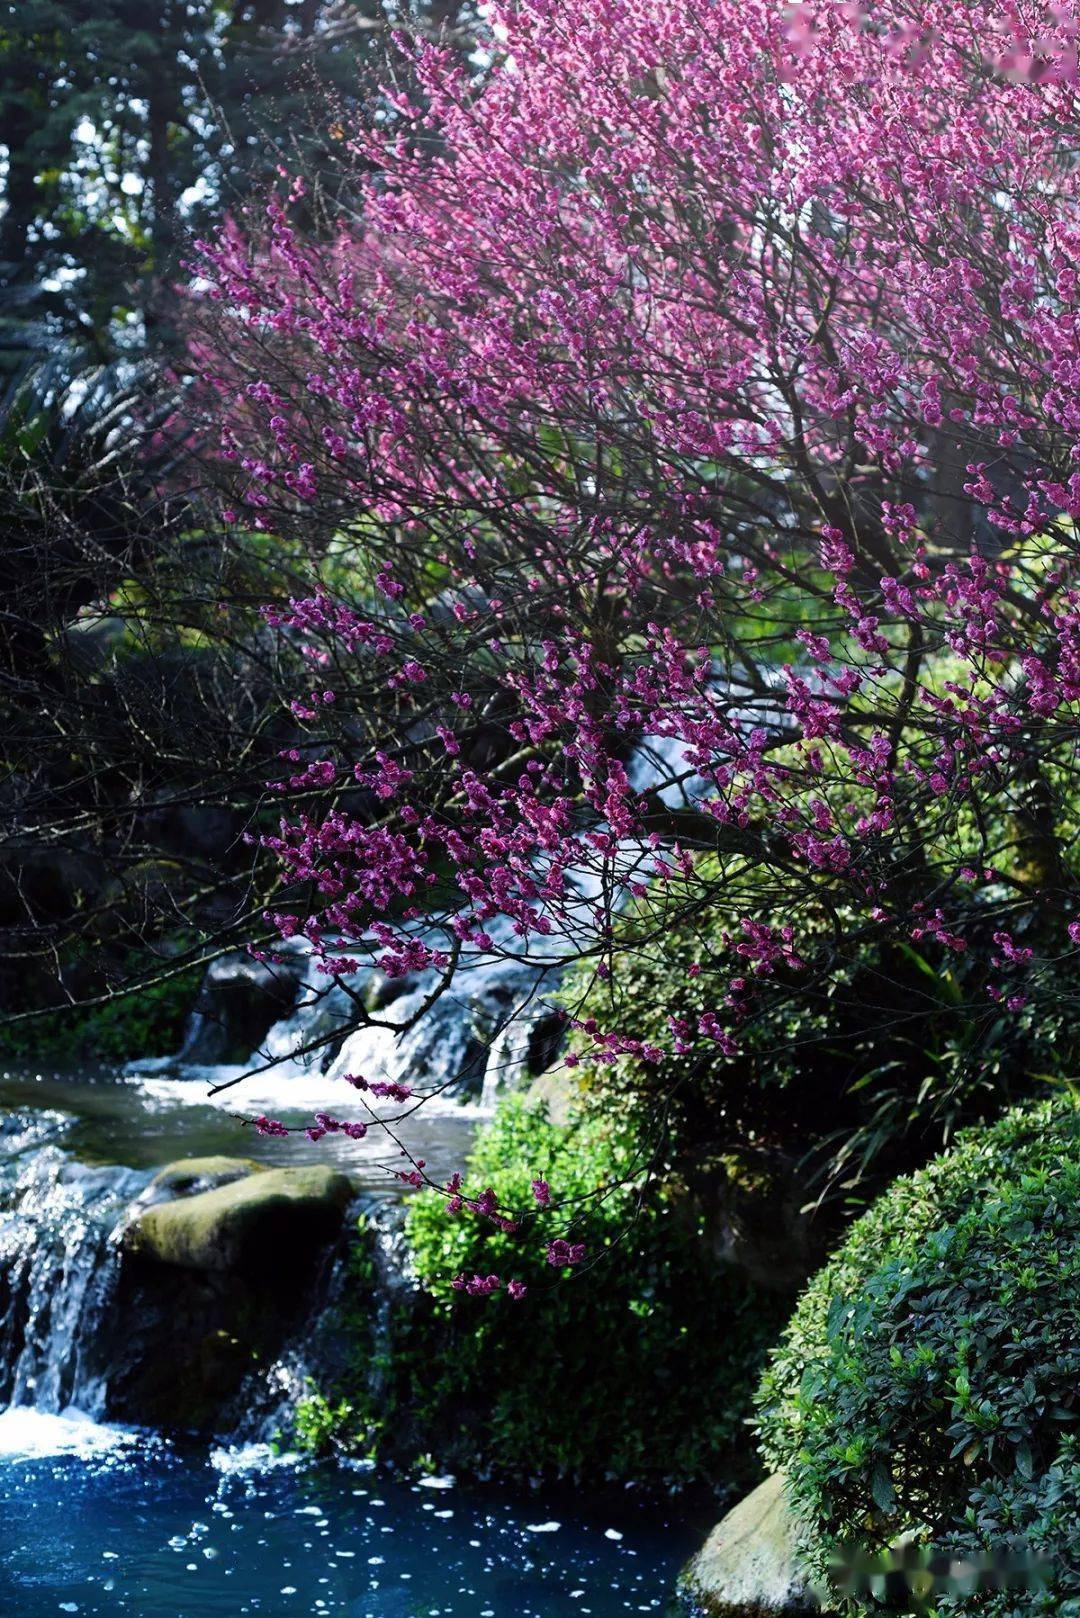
[[128, 122]]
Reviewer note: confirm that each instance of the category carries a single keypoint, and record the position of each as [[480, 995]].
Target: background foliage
[[126, 123], [850, 1072], [638, 1365]]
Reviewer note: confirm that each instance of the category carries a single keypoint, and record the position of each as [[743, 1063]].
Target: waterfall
[[58, 1268], [476, 1039], [490, 1030], [321, 1347]]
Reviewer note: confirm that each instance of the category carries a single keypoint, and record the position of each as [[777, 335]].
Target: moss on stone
[[246, 1226], [190, 1175], [559, 1092]]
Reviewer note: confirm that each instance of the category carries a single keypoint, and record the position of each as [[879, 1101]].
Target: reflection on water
[[99, 1521]]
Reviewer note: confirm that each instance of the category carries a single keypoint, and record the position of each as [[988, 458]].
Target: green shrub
[[640, 1364], [149, 1021], [928, 1382], [318, 1424]]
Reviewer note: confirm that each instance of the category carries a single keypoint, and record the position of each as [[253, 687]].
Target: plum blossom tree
[[701, 384]]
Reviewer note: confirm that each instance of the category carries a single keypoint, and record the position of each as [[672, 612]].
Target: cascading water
[[61, 1219], [488, 1031], [108, 1521], [58, 1268], [472, 1041]]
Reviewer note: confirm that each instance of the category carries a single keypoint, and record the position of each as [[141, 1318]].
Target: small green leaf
[[882, 1489]]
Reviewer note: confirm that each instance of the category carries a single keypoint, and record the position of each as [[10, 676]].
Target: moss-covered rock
[[248, 1226], [189, 1176], [223, 1258], [748, 1566], [559, 1092]]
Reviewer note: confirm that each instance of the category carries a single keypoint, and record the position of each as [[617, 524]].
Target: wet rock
[[560, 1091], [748, 1566], [221, 1261], [751, 1215], [547, 1037], [192, 1175], [382, 990], [249, 1225], [351, 1339], [240, 999]]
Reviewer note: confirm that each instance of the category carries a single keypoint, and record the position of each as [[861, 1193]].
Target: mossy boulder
[[559, 1092], [224, 1260], [748, 1566], [248, 1225], [189, 1176]]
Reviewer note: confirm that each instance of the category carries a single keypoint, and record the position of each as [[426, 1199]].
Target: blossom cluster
[[701, 384]]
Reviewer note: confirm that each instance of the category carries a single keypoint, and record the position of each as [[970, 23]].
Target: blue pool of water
[[100, 1521]]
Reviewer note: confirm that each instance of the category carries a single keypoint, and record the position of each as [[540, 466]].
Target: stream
[[100, 1518]]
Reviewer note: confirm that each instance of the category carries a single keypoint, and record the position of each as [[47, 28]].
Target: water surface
[[102, 1521], [147, 1116], [105, 1521]]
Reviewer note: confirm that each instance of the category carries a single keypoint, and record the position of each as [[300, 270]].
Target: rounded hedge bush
[[928, 1385]]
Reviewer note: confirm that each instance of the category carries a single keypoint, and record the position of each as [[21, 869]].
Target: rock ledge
[[748, 1566]]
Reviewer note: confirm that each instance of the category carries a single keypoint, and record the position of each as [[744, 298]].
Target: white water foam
[[242, 1458], [29, 1434]]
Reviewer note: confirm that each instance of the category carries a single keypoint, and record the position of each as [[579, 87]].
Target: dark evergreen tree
[[123, 123]]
